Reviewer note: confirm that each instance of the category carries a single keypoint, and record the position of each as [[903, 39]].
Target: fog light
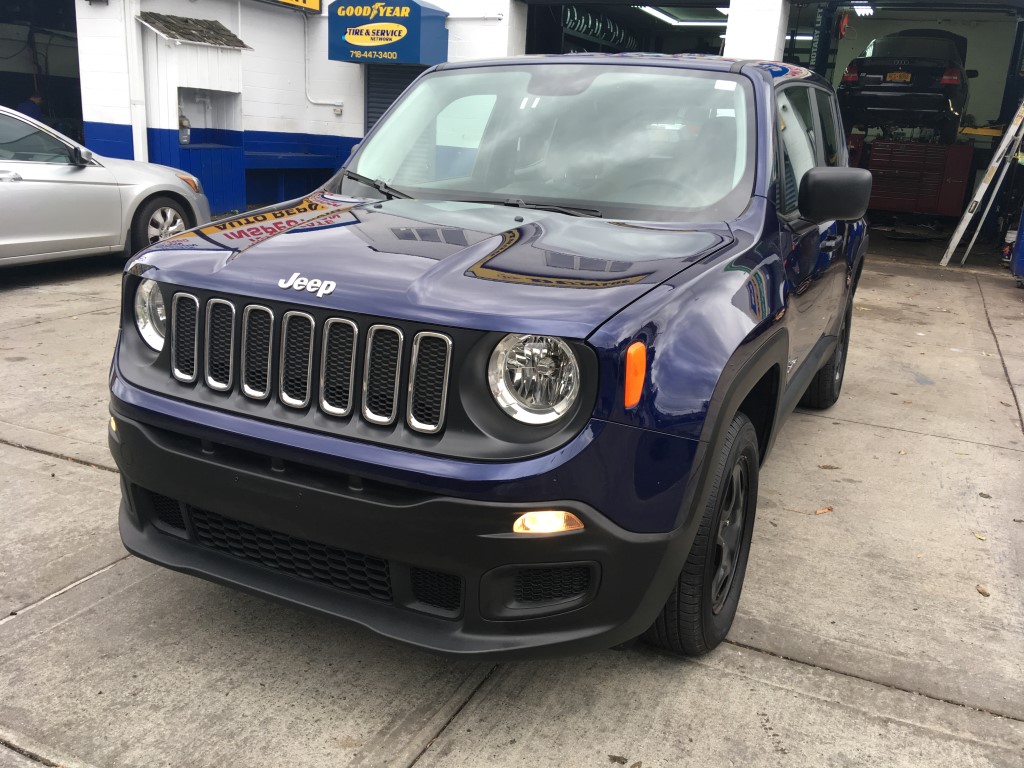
[[547, 521]]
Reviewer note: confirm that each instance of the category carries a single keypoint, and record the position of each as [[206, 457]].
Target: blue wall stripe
[[110, 139], [247, 168]]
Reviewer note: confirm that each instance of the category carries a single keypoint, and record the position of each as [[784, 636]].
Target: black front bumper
[[444, 574]]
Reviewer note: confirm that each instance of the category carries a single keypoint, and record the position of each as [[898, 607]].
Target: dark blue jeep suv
[[503, 385]]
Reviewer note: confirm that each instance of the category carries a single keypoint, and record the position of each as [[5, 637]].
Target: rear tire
[[156, 219], [699, 613], [828, 381]]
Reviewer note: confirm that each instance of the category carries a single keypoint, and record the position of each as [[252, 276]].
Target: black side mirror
[[971, 74], [834, 194], [81, 156]]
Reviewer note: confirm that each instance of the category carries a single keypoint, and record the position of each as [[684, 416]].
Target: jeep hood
[[482, 266]]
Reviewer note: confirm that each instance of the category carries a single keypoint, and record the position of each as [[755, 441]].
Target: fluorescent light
[[724, 11], [662, 16], [864, 9]]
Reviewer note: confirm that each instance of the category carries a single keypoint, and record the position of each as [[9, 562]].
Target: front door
[[50, 205]]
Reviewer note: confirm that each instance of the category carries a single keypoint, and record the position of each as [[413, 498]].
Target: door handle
[[829, 244], [10, 176]]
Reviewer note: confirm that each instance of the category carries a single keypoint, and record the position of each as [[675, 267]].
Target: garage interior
[[39, 55], [922, 183]]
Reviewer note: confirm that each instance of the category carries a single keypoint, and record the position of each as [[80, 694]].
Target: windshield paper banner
[[389, 31]]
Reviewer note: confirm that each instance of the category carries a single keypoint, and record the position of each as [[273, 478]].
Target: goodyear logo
[[375, 10], [382, 33]]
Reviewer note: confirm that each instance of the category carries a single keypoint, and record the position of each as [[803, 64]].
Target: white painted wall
[[103, 62], [756, 29], [989, 46], [484, 29], [276, 92]]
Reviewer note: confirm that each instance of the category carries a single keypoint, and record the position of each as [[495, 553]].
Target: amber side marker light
[[113, 424], [547, 521], [636, 370]]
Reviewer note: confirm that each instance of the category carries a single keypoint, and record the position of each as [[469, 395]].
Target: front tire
[[701, 608], [157, 219]]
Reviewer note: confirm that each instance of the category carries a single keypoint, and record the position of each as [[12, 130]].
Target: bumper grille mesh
[[339, 568], [543, 585], [441, 590]]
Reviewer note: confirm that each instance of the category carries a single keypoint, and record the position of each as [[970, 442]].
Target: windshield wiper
[[514, 202], [388, 191], [570, 210]]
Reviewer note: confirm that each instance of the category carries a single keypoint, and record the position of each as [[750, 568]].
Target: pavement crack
[[36, 758], [455, 714], [55, 455], [864, 679], [21, 611], [1002, 359], [831, 417]]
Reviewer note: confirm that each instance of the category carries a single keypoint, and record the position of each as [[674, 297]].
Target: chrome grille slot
[[257, 339], [296, 359], [220, 343], [185, 344], [428, 381], [380, 374], [338, 366]]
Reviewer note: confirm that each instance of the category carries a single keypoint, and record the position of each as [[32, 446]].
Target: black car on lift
[[911, 79]]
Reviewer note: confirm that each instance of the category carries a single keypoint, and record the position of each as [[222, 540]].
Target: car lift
[[1003, 156]]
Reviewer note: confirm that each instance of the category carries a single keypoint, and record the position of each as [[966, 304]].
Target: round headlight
[[535, 379], [150, 314]]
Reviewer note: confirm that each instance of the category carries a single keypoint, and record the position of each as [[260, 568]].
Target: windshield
[[910, 48], [628, 142]]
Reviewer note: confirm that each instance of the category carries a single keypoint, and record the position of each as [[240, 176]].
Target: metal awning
[[183, 29]]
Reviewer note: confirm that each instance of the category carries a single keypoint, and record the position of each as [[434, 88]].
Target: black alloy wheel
[[699, 612]]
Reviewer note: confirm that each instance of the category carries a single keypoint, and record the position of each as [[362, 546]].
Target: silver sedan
[[59, 200]]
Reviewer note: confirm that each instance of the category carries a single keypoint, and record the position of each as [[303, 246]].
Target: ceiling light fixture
[[863, 9], [662, 16]]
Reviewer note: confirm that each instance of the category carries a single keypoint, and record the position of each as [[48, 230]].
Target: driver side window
[[23, 142], [799, 153]]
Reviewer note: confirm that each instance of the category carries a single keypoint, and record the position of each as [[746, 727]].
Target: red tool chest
[[915, 177]]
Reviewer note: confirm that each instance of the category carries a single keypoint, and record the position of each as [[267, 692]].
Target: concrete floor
[[862, 636]]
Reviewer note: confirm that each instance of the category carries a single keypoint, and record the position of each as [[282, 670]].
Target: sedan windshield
[[627, 142]]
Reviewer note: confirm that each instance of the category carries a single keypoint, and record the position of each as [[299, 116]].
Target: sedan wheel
[[156, 220], [164, 223]]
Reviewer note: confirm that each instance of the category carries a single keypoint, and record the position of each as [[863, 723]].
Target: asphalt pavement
[[886, 630]]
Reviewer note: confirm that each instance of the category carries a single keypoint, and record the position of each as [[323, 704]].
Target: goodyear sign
[[386, 32]]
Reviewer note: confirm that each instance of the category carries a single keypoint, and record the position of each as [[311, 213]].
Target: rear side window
[[829, 132]]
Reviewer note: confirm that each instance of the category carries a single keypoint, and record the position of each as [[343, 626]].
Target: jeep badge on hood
[[313, 285]]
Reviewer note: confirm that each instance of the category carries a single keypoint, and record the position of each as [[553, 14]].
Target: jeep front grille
[[305, 361]]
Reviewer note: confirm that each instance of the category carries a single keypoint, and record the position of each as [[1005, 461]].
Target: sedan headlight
[[150, 314], [534, 379]]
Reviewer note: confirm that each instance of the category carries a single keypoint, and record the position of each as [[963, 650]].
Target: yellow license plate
[[897, 77]]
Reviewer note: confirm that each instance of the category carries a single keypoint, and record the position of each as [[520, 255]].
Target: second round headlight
[[151, 314], [534, 379]]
